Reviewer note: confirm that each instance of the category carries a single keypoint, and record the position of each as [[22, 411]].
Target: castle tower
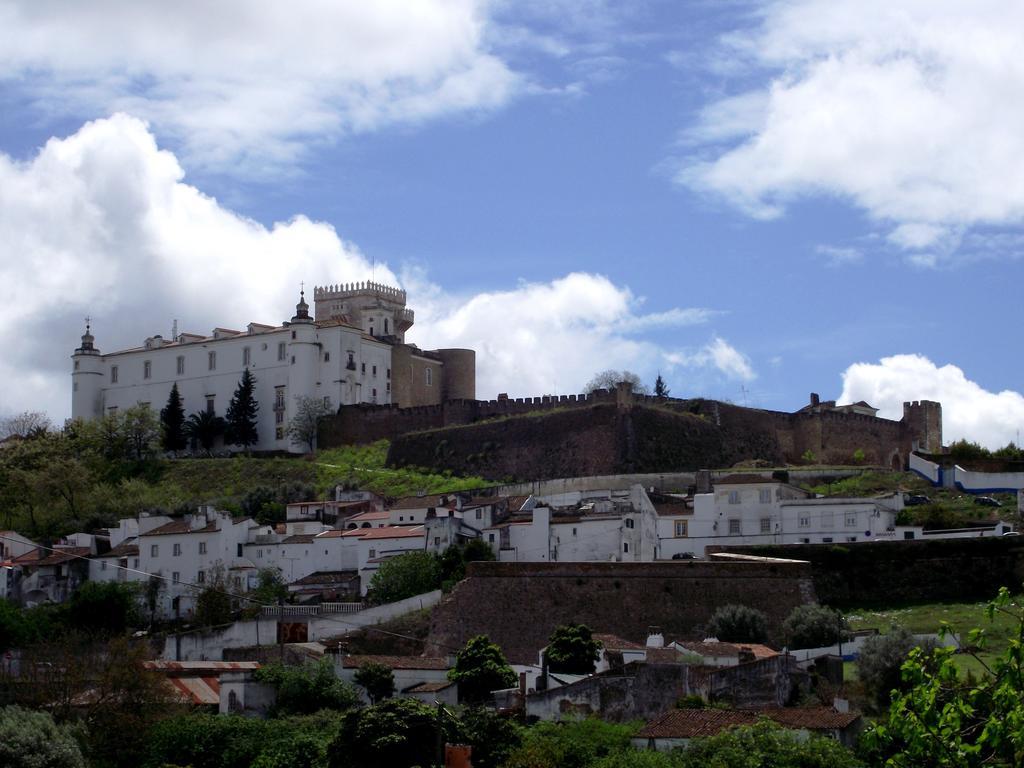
[[87, 378], [379, 310], [303, 355]]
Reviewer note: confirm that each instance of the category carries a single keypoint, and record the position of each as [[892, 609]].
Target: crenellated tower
[[377, 309]]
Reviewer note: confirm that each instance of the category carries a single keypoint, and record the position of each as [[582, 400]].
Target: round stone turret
[[87, 378]]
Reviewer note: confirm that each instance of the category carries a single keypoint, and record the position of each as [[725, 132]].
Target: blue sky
[[758, 200]]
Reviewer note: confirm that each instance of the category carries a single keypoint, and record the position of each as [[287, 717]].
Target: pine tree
[[240, 428], [660, 389], [172, 418]]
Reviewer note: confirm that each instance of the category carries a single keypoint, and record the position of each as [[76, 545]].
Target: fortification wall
[[518, 605], [895, 571]]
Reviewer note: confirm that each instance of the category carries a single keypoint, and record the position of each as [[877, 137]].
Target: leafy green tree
[[572, 649], [660, 388], [481, 667], [880, 660], [398, 733], [33, 740], [104, 607], [808, 457], [26, 425], [303, 425], [765, 744], [213, 603], [571, 744], [307, 689], [492, 735], [814, 626], [964, 449], [611, 378], [172, 418], [377, 679], [859, 456], [240, 419], [943, 719], [738, 624], [205, 427], [405, 575], [141, 430]]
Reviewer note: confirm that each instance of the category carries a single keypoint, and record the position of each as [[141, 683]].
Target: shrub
[[307, 689], [880, 660], [32, 740], [814, 626], [738, 624]]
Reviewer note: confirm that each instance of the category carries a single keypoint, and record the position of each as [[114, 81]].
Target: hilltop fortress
[[617, 431]]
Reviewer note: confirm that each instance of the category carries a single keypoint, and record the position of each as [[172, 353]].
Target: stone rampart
[[518, 605]]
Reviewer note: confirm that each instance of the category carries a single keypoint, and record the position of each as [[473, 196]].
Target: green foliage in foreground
[[767, 745], [481, 667], [574, 744], [307, 689], [738, 624], [364, 466], [32, 740]]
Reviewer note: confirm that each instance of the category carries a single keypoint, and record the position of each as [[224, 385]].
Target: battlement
[[349, 290]]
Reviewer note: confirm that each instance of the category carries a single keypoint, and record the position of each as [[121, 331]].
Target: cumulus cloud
[[968, 410], [102, 223], [717, 354], [245, 85], [909, 111]]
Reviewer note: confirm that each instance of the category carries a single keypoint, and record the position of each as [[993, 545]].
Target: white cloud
[[840, 256], [910, 111], [246, 84], [717, 354], [968, 410], [101, 223]]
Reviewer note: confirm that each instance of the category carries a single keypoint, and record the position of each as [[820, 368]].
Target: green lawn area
[[928, 617]]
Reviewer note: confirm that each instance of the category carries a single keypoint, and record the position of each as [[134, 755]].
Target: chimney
[[841, 705], [703, 480], [654, 638], [815, 399]]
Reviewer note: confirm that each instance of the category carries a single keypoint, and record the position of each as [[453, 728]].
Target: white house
[[375, 545]]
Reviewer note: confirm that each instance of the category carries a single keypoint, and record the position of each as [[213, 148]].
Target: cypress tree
[[240, 427], [660, 388], [172, 418]]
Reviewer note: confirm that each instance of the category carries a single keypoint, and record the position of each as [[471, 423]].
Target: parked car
[[987, 501], [684, 556], [916, 499]]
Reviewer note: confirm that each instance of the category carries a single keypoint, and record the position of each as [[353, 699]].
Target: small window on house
[[293, 334], [734, 526], [76, 365], [479, 513], [826, 540], [154, 550], [279, 417], [681, 528], [389, 373], [282, 351], [279, 433], [177, 550], [389, 387], [202, 547], [135, 563], [327, 357], [805, 521], [238, 582], [209, 405], [362, 368], [112, 410], [374, 371], [175, 577], [851, 539], [373, 553], [327, 402], [293, 359], [201, 577], [573, 531], [374, 393], [766, 525], [629, 522], [765, 495], [211, 361], [625, 546], [113, 374], [246, 355], [103, 565], [734, 497], [147, 369], [429, 374], [181, 365], [851, 520], [351, 364], [490, 536], [239, 550]]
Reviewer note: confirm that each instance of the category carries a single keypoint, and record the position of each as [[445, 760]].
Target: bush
[[738, 624], [766, 744], [103, 607], [307, 689], [480, 668], [377, 679], [573, 744], [814, 626], [32, 740], [397, 733], [407, 575], [880, 660], [573, 650]]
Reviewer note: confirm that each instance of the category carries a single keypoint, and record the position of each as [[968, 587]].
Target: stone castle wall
[[518, 605]]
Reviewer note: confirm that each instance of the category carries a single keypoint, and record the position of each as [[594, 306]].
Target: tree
[[572, 744], [33, 740], [141, 431], [302, 428], [880, 660], [765, 744], [492, 735], [481, 667], [307, 689], [397, 733], [213, 603], [572, 649], [738, 624], [377, 679], [172, 418], [941, 718], [814, 626], [660, 388], [611, 378], [204, 427], [405, 575], [240, 419], [103, 607], [29, 424]]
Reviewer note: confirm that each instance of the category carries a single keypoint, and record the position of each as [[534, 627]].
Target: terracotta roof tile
[[127, 548], [423, 502], [429, 687], [327, 577], [696, 723], [65, 555], [396, 662], [179, 526], [387, 532], [616, 643]]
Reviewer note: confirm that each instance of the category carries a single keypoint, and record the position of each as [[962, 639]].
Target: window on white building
[[246, 355], [734, 526], [201, 577], [389, 373], [851, 539], [429, 374], [279, 433], [362, 368], [209, 405], [282, 350], [804, 521], [147, 369], [175, 577], [135, 563], [625, 546], [479, 513], [327, 357], [681, 528], [103, 565], [239, 546], [113, 374], [629, 522], [734, 497], [154, 550], [202, 547], [211, 361], [490, 536], [374, 371], [765, 495], [177, 550], [827, 519], [851, 520], [389, 387], [766, 525], [181, 365], [327, 402], [373, 552], [826, 540]]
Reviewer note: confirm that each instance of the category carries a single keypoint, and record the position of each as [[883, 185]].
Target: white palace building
[[353, 351]]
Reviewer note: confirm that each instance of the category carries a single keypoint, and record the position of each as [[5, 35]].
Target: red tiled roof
[[65, 555], [368, 516], [423, 502], [715, 648], [662, 656], [327, 577], [179, 526], [128, 548], [299, 538], [396, 662], [616, 643], [429, 687], [811, 718], [696, 723], [672, 509], [387, 532], [160, 665]]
